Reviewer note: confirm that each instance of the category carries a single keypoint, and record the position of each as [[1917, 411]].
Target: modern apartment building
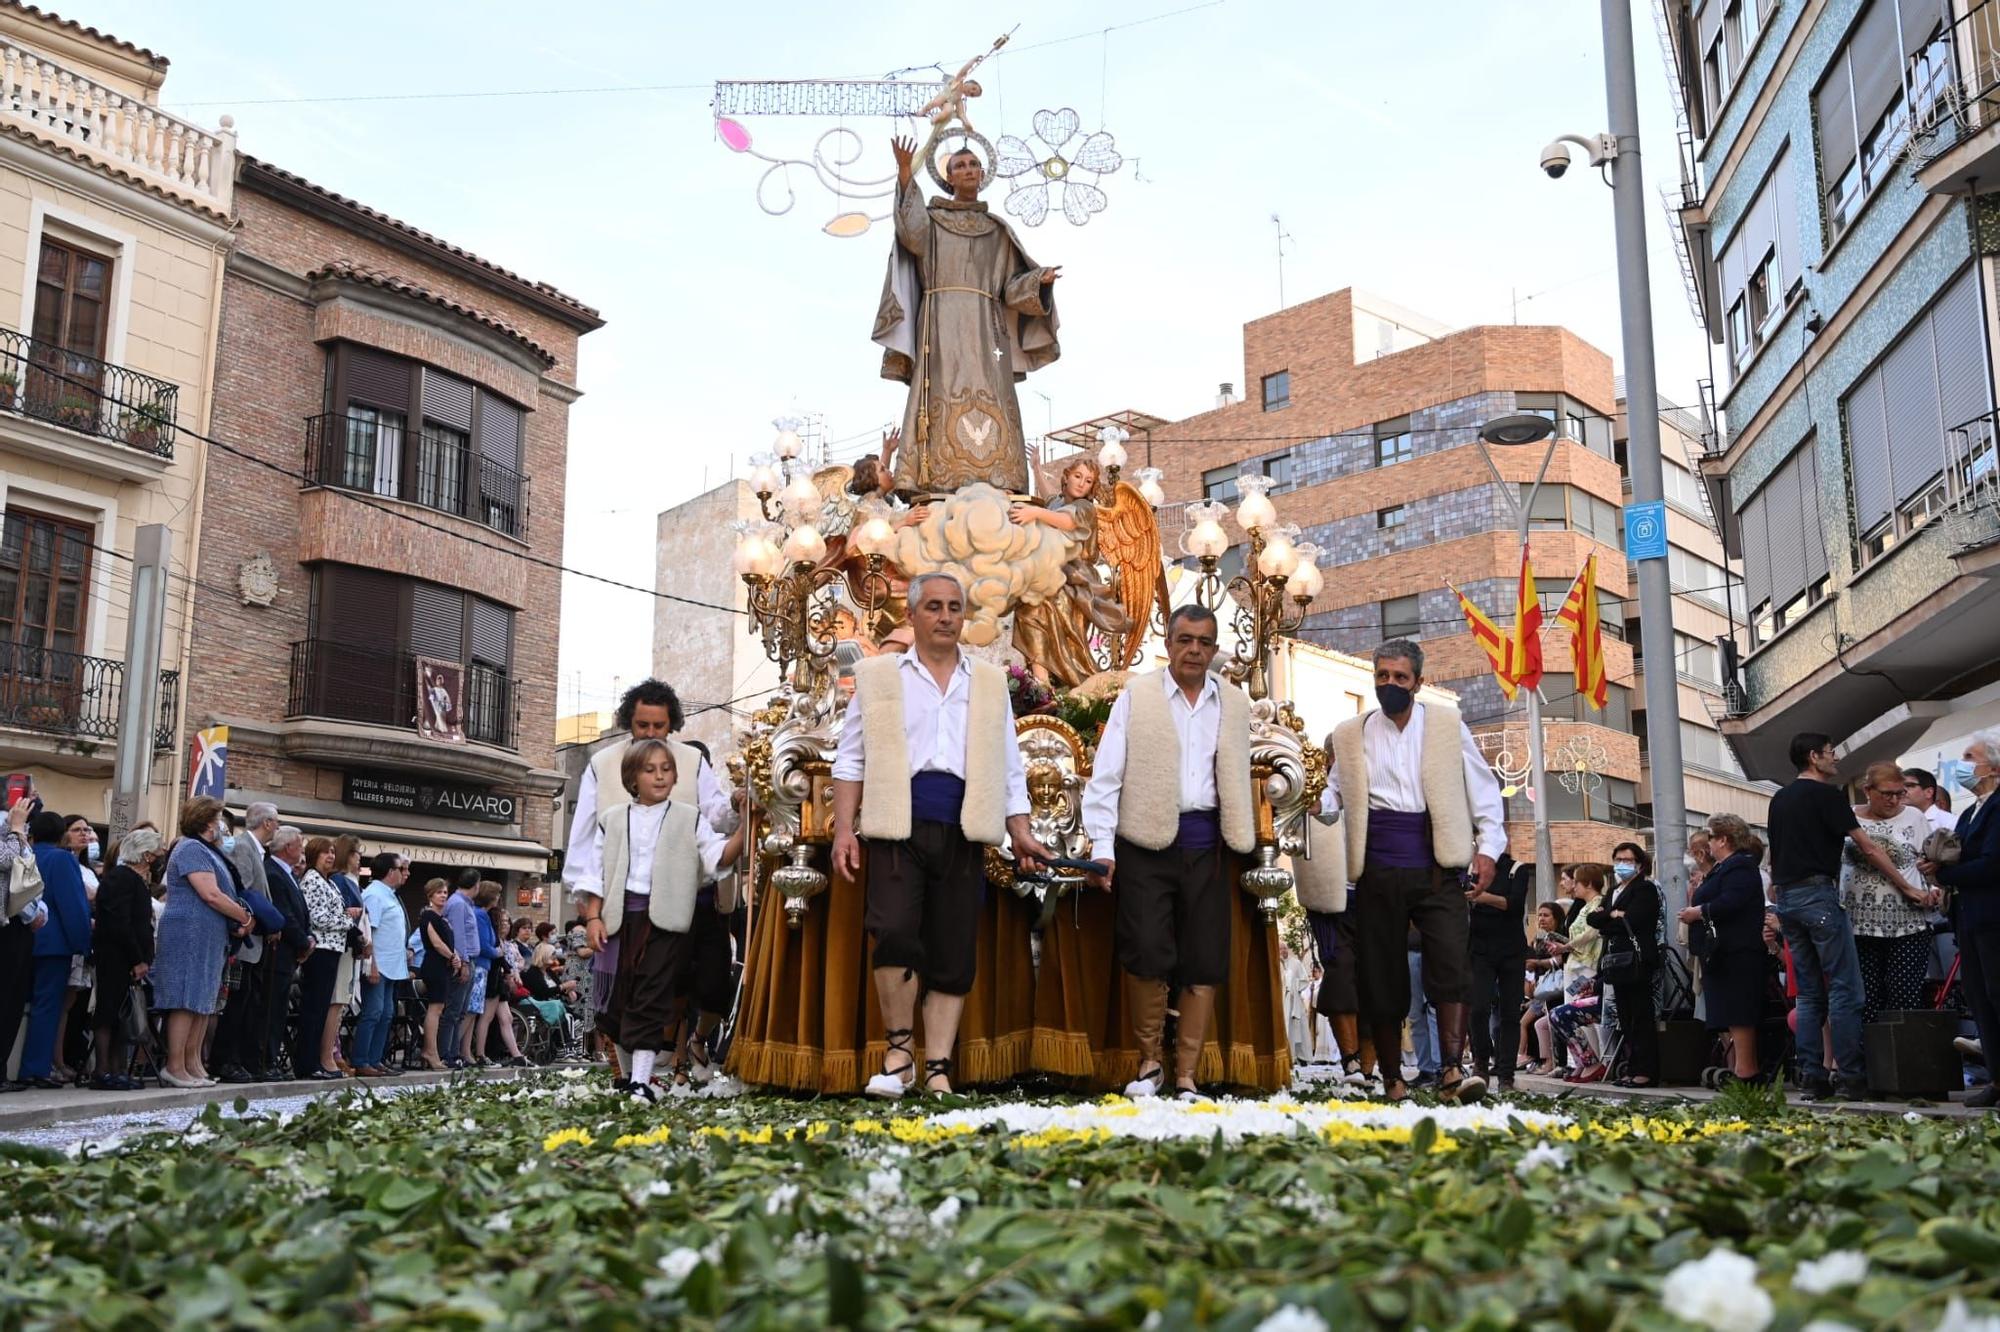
[[114, 226], [1709, 629], [1366, 417], [1838, 162], [378, 597]]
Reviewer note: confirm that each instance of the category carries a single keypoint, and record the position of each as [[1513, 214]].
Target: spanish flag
[[1586, 635], [1526, 664], [1487, 634]]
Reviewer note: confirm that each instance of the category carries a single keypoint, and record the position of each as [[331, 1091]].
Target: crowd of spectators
[[247, 952]]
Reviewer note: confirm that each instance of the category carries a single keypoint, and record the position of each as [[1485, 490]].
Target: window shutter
[[1810, 520], [1709, 22], [1961, 352], [1754, 520], [492, 633], [1784, 222], [437, 622], [447, 400], [500, 431], [378, 379], [1921, 20], [1878, 63], [1787, 537], [353, 604], [1835, 104], [1868, 452], [1910, 401]]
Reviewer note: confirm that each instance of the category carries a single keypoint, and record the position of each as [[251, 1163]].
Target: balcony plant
[[10, 384], [76, 413], [143, 425]]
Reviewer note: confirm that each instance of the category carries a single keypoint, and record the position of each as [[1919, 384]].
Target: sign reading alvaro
[[454, 800]]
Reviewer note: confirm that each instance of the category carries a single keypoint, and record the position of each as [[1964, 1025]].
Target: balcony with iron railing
[[46, 100], [370, 454], [48, 383], [1952, 91], [1972, 483], [69, 695], [344, 682]]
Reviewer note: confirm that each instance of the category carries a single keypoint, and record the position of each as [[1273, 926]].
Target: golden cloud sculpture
[[1002, 564]]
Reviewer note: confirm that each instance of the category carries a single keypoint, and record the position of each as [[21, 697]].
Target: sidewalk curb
[[70, 1105], [1560, 1090]]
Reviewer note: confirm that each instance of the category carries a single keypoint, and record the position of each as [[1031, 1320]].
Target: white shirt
[[1395, 777], [934, 722], [1197, 724], [1940, 819], [643, 823], [582, 861]]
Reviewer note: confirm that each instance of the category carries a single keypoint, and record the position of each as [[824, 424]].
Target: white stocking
[[642, 1066]]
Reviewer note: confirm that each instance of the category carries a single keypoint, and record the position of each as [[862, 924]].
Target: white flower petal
[[1292, 1318], [1718, 1291], [1842, 1267]]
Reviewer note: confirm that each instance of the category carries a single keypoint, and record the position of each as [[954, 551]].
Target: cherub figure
[[959, 89]]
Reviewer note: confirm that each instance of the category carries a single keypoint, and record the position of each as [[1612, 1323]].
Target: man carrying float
[[928, 774], [1170, 791]]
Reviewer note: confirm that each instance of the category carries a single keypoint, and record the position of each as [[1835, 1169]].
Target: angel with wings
[[1054, 635]]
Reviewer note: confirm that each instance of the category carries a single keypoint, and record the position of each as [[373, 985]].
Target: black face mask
[[1395, 699]]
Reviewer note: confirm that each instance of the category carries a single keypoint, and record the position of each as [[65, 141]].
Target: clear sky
[[1398, 142]]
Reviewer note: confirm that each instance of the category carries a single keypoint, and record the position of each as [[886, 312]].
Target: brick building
[[427, 392], [1366, 416]]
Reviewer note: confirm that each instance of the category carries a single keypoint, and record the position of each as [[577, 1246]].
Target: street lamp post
[[1514, 432], [1619, 152]]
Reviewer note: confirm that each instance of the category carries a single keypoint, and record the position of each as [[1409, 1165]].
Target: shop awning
[[437, 848]]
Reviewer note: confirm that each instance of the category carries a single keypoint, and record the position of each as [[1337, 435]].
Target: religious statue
[[965, 313], [1053, 634]]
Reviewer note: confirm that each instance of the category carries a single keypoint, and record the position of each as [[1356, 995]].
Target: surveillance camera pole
[[1635, 299]]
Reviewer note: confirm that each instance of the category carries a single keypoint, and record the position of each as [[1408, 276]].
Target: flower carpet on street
[[549, 1202]]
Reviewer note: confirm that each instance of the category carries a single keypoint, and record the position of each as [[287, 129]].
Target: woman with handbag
[[1630, 924], [201, 916], [1545, 970], [318, 976], [1726, 933], [122, 941], [355, 949]]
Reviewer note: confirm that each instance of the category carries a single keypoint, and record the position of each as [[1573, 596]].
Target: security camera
[[1555, 160]]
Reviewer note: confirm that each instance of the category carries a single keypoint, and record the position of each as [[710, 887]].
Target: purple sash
[[936, 797], [1397, 840], [1200, 830], [604, 962]]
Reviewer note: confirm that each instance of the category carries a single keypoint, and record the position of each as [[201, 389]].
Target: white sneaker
[[1352, 1076], [886, 1087], [1140, 1088]]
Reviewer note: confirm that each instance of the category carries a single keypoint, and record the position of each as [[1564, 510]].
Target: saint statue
[[965, 314]]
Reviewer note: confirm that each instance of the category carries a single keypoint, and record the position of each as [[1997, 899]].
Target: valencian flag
[[1579, 616], [1526, 644], [210, 760], [1496, 645]]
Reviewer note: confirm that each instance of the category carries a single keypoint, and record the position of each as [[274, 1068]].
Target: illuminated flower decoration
[[1055, 161]]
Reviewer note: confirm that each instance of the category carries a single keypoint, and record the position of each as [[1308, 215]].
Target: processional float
[[1066, 591]]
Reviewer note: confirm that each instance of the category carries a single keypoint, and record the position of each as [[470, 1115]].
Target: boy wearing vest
[[1420, 806], [1169, 790], [655, 853], [650, 710], [929, 773]]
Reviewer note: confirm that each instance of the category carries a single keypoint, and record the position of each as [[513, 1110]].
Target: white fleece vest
[[1442, 777], [676, 868], [885, 789], [611, 792], [1149, 799]]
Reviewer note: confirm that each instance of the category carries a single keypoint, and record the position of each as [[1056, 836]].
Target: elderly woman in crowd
[[122, 941], [1582, 994], [1892, 928], [1730, 906], [327, 911], [201, 915]]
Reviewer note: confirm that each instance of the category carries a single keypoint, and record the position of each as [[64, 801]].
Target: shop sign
[[415, 795]]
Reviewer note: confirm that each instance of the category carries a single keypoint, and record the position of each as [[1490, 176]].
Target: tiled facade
[[1880, 628]]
